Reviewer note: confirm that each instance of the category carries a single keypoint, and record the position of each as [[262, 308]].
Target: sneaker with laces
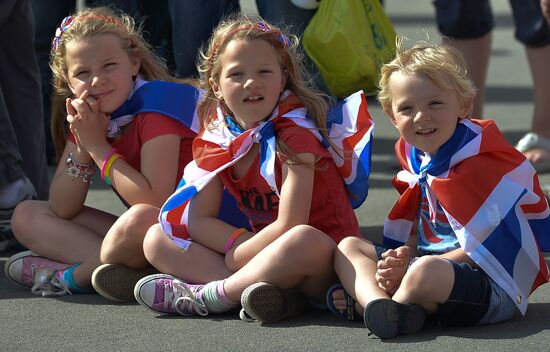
[[167, 294], [116, 282], [7, 240], [47, 283], [21, 268], [268, 303]]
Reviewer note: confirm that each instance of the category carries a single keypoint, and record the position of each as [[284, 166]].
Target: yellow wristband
[[110, 163]]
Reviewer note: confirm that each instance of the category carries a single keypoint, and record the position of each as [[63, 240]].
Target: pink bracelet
[[233, 238], [105, 161]]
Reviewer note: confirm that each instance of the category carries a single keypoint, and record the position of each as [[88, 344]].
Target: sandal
[[387, 318], [531, 141], [349, 313]]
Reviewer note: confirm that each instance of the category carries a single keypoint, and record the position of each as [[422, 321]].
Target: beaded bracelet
[[74, 168], [233, 238]]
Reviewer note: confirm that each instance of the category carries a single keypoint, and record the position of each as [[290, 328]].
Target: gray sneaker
[[116, 282], [268, 303], [7, 240]]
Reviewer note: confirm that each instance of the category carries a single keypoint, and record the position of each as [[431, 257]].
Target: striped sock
[[215, 298]]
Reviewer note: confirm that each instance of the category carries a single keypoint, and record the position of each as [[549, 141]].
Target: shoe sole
[[12, 259], [387, 318], [268, 303], [116, 282]]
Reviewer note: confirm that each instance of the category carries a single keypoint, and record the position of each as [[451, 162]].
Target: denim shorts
[[468, 19], [475, 299]]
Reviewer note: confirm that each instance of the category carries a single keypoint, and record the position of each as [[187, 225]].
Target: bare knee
[[25, 219], [124, 241], [154, 244], [428, 280], [307, 245]]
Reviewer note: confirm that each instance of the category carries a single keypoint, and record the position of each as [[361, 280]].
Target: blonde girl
[[263, 128], [102, 67]]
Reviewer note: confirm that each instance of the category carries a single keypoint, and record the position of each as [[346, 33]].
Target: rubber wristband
[[105, 160], [110, 163], [233, 238]]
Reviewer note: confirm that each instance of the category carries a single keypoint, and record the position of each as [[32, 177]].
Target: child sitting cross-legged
[[467, 231]]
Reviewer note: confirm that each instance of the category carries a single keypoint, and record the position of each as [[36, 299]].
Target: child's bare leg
[[300, 258], [123, 244], [197, 264], [68, 241], [355, 263], [428, 282]]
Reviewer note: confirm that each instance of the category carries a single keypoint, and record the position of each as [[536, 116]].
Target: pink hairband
[[260, 26]]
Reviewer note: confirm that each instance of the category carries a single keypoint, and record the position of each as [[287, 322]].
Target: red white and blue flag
[[350, 128], [492, 199]]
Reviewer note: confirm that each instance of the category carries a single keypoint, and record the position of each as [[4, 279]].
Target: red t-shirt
[[331, 211], [145, 127]]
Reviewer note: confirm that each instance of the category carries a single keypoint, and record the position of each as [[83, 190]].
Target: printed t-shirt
[[331, 211]]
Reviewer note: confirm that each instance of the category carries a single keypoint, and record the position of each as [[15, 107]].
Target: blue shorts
[[475, 299], [469, 19]]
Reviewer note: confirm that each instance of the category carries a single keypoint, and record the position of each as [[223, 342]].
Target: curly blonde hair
[[89, 23], [442, 64]]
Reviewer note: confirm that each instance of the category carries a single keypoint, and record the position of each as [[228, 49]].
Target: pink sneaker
[[21, 267], [166, 294]]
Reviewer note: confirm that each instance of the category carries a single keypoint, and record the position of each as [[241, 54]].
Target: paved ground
[[91, 323]]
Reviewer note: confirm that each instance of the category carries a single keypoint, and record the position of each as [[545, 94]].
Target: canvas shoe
[[47, 283], [7, 240], [166, 294], [387, 318], [268, 303], [21, 268], [116, 282]]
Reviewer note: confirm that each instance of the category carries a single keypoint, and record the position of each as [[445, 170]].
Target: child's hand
[[392, 268], [87, 123]]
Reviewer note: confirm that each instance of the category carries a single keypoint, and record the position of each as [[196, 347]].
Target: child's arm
[[204, 226], [459, 256], [159, 157], [294, 208]]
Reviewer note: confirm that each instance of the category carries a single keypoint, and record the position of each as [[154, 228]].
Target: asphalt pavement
[[91, 323]]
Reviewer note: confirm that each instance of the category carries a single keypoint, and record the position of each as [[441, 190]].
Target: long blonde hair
[[246, 28], [88, 23], [442, 64]]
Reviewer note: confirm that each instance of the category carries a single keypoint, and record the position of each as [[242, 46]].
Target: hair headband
[[63, 27], [259, 26]]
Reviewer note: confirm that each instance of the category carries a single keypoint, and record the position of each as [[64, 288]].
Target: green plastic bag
[[349, 40]]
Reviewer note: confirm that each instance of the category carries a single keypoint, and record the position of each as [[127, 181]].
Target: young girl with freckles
[[118, 100], [263, 141], [467, 230]]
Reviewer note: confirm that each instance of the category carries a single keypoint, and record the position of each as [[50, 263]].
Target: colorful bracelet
[[74, 168], [110, 163], [233, 238], [105, 161]]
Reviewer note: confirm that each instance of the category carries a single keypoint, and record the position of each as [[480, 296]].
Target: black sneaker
[[268, 303], [7, 240], [387, 318]]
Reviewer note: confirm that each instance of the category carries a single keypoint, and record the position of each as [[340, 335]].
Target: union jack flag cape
[[175, 100], [215, 149], [492, 198]]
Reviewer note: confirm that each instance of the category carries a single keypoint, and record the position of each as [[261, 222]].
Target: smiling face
[[251, 80], [100, 65], [425, 114]]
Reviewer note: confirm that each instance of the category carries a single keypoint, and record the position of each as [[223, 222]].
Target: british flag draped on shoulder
[[175, 100], [492, 198], [217, 148]]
